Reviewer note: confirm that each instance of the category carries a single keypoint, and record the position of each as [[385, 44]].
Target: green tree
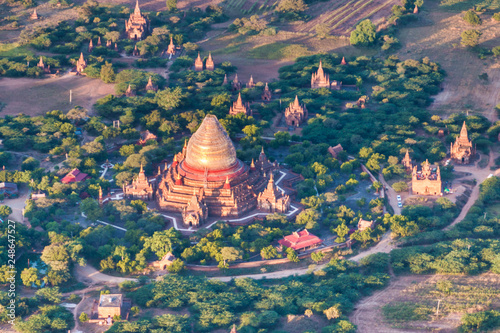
[[268, 252], [169, 98], [342, 230], [291, 6], [83, 317], [377, 186], [91, 209], [322, 30], [400, 186], [5, 211], [292, 255], [56, 256], [51, 295], [163, 242], [30, 277], [171, 5], [470, 38], [176, 266], [333, 312], [317, 256], [229, 254], [107, 73], [364, 34], [472, 18]]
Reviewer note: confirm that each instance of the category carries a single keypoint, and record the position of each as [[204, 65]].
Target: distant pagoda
[[240, 107], [137, 25]]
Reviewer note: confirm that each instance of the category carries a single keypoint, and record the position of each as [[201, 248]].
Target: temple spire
[[81, 57], [137, 10], [239, 102], [296, 102], [463, 132]]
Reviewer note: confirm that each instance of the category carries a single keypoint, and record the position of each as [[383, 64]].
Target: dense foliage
[[253, 305]]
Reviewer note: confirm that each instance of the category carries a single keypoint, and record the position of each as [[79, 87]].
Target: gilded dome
[[210, 147]]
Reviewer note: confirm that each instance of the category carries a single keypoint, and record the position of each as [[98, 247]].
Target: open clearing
[[34, 97], [437, 35], [468, 294]]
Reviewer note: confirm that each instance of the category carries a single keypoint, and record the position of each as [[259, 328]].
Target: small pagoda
[[140, 188], [46, 69], [135, 52], [195, 212], [209, 65], [320, 79], [236, 84], [427, 181], [271, 200], [150, 86], [91, 46], [407, 161], [295, 114], [137, 25], [240, 107], [250, 83], [171, 47], [266, 95], [34, 15], [129, 92], [462, 151], [198, 63], [81, 64]]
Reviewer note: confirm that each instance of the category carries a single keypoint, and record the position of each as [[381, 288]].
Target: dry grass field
[[467, 294], [37, 96], [437, 36]]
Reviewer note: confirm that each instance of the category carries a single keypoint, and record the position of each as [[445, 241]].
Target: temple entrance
[[135, 37], [293, 123], [463, 159]]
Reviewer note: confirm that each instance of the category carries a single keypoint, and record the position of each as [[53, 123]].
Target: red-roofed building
[[301, 240], [74, 176]]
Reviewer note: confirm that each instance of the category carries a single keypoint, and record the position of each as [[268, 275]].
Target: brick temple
[[206, 179], [137, 25], [295, 114], [427, 181], [462, 151]]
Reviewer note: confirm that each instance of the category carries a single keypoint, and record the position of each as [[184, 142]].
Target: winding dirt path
[[480, 175]]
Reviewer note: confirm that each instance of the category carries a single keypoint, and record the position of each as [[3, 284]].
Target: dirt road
[[480, 175], [88, 274]]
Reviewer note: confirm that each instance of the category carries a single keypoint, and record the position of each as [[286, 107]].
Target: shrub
[[400, 186], [470, 38], [472, 18], [84, 317], [364, 34]]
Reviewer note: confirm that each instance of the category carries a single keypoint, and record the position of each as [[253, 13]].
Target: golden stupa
[[208, 171], [210, 147]]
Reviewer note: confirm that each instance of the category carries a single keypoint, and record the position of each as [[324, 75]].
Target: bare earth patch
[[437, 36], [468, 294], [37, 96]]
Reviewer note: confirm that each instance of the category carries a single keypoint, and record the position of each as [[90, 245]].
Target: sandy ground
[[437, 36], [37, 96], [88, 274], [415, 288]]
